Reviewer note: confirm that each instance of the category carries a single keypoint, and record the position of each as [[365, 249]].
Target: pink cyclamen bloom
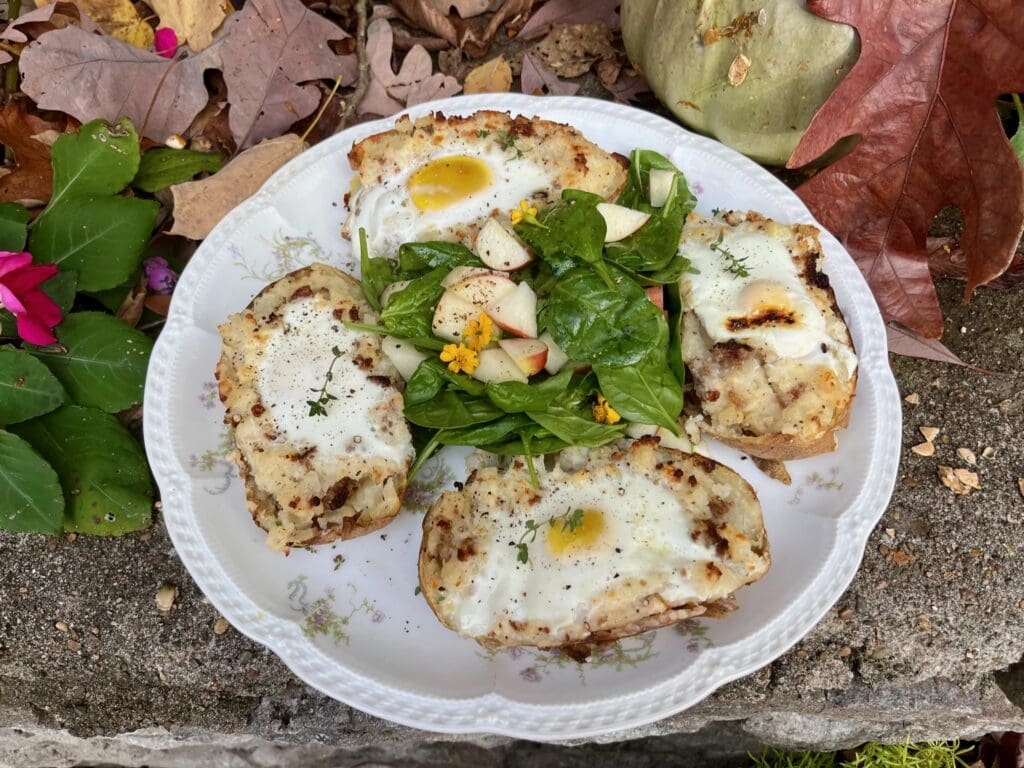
[[165, 42], [160, 278], [20, 294]]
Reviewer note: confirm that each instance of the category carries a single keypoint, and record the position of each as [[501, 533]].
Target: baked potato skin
[[795, 412], [734, 527], [296, 499]]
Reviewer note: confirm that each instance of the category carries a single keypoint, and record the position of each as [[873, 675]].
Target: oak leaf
[[31, 179], [570, 12], [119, 19], [160, 96], [269, 52], [194, 21], [537, 80], [199, 205], [43, 19], [922, 97]]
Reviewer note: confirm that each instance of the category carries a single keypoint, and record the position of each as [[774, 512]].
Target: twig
[[364, 66]]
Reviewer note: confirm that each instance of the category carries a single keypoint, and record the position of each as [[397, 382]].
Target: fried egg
[[637, 537], [442, 178], [316, 411]]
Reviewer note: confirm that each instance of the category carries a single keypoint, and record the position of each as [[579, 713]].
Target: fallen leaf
[[570, 50], [511, 12], [494, 76], [424, 14], [387, 91], [537, 80], [160, 96], [31, 178], [131, 306], [194, 21], [570, 12], [34, 23], [437, 86], [738, 70], [466, 8], [922, 97], [947, 259], [628, 89], [199, 205], [267, 51], [119, 19], [608, 70], [909, 344]]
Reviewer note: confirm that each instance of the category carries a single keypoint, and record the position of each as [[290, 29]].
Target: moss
[[871, 755]]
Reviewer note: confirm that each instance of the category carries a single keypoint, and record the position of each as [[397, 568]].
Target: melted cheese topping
[[296, 358], [635, 540], [748, 289]]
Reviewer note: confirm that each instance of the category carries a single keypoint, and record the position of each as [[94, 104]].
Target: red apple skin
[[529, 354], [656, 293]]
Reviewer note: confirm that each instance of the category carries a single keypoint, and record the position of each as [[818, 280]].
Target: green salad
[[558, 335]]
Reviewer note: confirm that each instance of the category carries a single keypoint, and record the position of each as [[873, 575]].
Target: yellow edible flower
[[604, 413], [478, 333], [525, 210], [460, 358]]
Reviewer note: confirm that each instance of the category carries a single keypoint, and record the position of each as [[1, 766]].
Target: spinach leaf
[[375, 274], [655, 246], [485, 434], [517, 397], [576, 427], [541, 441], [431, 377], [410, 310], [571, 232], [416, 257], [646, 393], [449, 410], [425, 342], [592, 322]]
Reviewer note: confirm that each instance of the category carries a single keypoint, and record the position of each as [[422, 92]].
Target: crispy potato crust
[[772, 409], [724, 513], [298, 496]]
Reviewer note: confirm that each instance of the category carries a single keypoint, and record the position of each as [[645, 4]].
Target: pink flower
[[36, 312], [160, 278], [165, 42]]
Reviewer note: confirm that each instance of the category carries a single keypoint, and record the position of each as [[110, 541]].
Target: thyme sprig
[[735, 262], [318, 407], [570, 519], [506, 141]]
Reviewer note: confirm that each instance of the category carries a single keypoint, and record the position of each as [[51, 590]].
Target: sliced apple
[[656, 293], [660, 183], [403, 355], [620, 222], [516, 312], [499, 249], [483, 290], [496, 365], [666, 438], [556, 357], [451, 315], [391, 290], [529, 354], [459, 274]]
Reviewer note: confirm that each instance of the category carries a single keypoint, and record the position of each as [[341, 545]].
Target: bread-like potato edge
[[645, 451]]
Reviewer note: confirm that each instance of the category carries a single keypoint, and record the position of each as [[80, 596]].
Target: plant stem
[[364, 66]]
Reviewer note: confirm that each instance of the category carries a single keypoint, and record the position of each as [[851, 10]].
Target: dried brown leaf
[[608, 70], [46, 18], [193, 21], [909, 344], [570, 50], [159, 303], [131, 307], [118, 18], [199, 205], [511, 12], [628, 89], [465, 8], [437, 86], [424, 14], [570, 12], [30, 178], [947, 259], [536, 80], [160, 96], [494, 76]]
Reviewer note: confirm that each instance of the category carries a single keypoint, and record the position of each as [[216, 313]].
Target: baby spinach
[[416, 257], [375, 274], [410, 310], [517, 397], [449, 410], [645, 393], [485, 434], [540, 440], [591, 321], [570, 232], [431, 377], [576, 427]]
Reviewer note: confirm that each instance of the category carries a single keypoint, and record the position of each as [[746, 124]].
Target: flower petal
[[11, 260], [27, 278], [34, 332], [40, 306], [9, 300]]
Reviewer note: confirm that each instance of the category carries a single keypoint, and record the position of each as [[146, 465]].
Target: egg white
[[390, 217]]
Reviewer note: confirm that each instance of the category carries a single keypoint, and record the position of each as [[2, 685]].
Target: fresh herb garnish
[[735, 263], [338, 560], [570, 519], [506, 141], [417, 591], [717, 211], [318, 407]]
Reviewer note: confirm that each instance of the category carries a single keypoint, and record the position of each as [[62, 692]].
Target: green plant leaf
[[101, 467], [576, 428], [517, 397], [30, 497], [102, 238], [416, 257], [410, 311], [571, 232], [646, 393], [161, 167], [13, 226], [1017, 140], [105, 363], [431, 376], [484, 434], [451, 410], [375, 274], [101, 159], [27, 388]]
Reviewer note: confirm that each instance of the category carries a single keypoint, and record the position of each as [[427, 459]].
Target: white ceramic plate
[[345, 618]]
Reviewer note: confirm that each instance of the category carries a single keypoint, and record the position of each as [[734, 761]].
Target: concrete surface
[[922, 644]]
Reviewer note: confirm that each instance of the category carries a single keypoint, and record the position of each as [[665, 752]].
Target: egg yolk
[[447, 180], [561, 540]]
